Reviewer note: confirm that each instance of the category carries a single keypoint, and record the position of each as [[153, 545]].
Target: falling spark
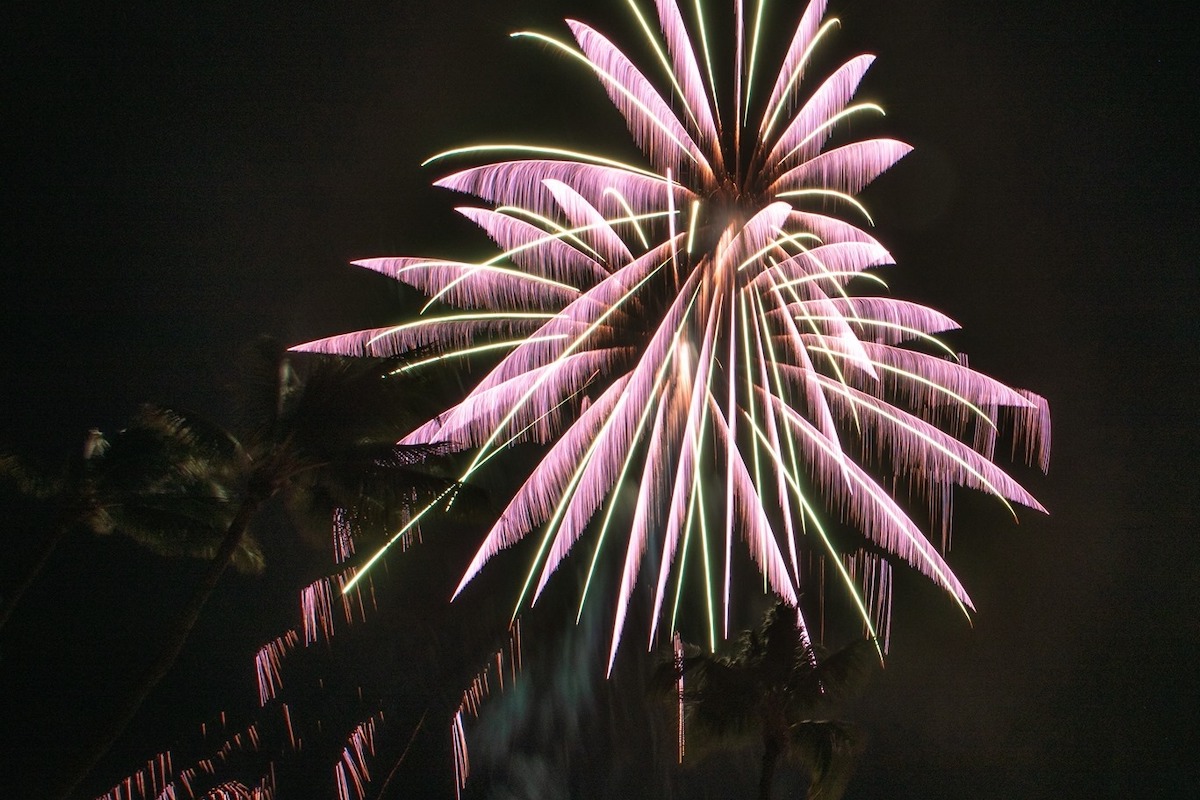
[[476, 692], [814, 401], [462, 763], [151, 781], [291, 731], [677, 643], [351, 771], [317, 605], [158, 780], [267, 665], [343, 536]]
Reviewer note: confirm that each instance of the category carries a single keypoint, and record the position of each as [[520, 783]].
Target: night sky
[[178, 178]]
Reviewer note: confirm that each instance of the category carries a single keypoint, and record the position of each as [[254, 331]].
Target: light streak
[[764, 346], [637, 226], [773, 116], [570, 349], [397, 536], [566, 497], [924, 437], [879, 323], [829, 123], [691, 237], [730, 454], [476, 350], [574, 155], [658, 382], [480, 317], [755, 258], [851, 199], [662, 59], [616, 84], [747, 280], [489, 265], [712, 81], [758, 17], [912, 376], [943, 577], [517, 211], [851, 589], [829, 275]]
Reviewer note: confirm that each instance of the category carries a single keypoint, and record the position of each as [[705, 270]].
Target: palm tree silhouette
[[155, 481], [778, 692], [320, 434]]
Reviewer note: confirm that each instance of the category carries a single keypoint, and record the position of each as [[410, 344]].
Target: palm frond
[[773, 687], [826, 749], [23, 478], [837, 677]]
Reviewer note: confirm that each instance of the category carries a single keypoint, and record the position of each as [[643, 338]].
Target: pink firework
[[701, 328]]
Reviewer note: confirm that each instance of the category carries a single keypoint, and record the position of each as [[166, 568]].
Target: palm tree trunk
[[769, 760], [170, 650], [34, 571]]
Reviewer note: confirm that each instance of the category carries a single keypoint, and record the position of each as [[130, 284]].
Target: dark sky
[[180, 177]]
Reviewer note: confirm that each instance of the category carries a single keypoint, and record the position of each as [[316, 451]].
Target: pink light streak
[[700, 316], [476, 692]]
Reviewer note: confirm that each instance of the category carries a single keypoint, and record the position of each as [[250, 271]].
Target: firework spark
[[701, 327], [480, 688], [351, 775], [267, 664], [317, 607]]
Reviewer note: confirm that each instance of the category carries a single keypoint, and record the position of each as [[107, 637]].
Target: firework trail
[[268, 662], [151, 781], [319, 609], [158, 780], [481, 687], [702, 328], [351, 775]]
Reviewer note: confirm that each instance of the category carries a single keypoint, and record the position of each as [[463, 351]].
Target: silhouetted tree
[[321, 434], [156, 482], [778, 693]]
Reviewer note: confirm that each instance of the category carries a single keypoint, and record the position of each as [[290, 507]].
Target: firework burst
[[702, 328]]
